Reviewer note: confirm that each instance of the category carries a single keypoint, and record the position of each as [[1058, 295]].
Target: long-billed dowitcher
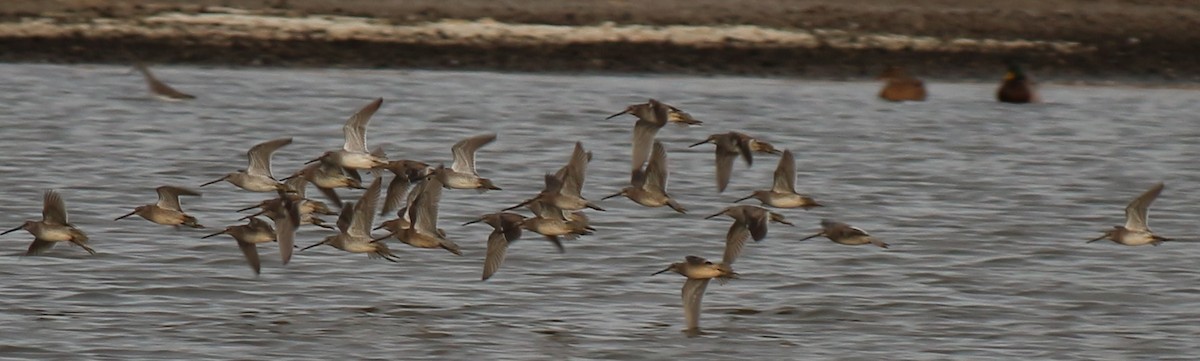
[[54, 227], [1016, 87], [248, 236], [748, 222], [674, 115], [326, 177], [563, 189], [900, 85], [842, 233], [354, 226], [506, 229], [698, 272], [287, 215], [652, 116], [729, 146], [158, 88], [257, 176], [354, 154], [1136, 232], [406, 173], [166, 211], [649, 187], [783, 192], [462, 174], [423, 215], [309, 209], [553, 195], [553, 222]]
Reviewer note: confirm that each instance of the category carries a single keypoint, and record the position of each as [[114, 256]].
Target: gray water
[[986, 206]]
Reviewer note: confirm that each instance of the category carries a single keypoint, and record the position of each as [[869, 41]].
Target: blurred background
[[1070, 39]]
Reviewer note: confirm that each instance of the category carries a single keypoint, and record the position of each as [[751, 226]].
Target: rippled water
[[986, 206]]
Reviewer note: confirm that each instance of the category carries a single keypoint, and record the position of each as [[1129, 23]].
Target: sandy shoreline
[[320, 36]]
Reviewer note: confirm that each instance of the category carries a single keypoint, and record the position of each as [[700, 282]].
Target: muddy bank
[[821, 43]]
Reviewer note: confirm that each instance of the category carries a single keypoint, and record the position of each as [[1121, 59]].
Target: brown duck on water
[[1016, 88], [900, 86]]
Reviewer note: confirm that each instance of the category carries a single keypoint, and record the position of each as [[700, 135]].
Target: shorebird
[[422, 231], [462, 174], [166, 211], [698, 272], [674, 115], [563, 189], [326, 177], [553, 222], [900, 86], [506, 229], [287, 215], [309, 209], [729, 146], [354, 226], [652, 116], [842, 233], [1136, 232], [406, 173], [1016, 87], [257, 176], [783, 192], [649, 187], [54, 227], [248, 236], [354, 154], [748, 222], [158, 88]]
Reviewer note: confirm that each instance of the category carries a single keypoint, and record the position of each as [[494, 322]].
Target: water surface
[[986, 206]]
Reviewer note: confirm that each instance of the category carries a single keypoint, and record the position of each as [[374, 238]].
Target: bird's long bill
[[522, 204], [284, 179], [480, 219], [594, 206], [377, 239], [384, 225], [14, 229], [698, 143], [215, 181], [623, 112], [744, 198], [710, 217], [812, 236], [252, 215], [126, 215], [1099, 238], [314, 160], [663, 270], [614, 195], [214, 234], [248, 208], [306, 248]]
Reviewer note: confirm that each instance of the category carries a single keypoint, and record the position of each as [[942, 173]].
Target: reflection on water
[[986, 207]]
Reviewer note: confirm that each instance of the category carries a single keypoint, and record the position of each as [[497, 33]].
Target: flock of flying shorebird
[[557, 211]]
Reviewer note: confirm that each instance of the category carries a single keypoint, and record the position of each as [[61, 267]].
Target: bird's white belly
[[460, 181], [55, 234], [785, 200], [255, 183], [702, 272], [358, 160], [260, 237], [1137, 238]]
